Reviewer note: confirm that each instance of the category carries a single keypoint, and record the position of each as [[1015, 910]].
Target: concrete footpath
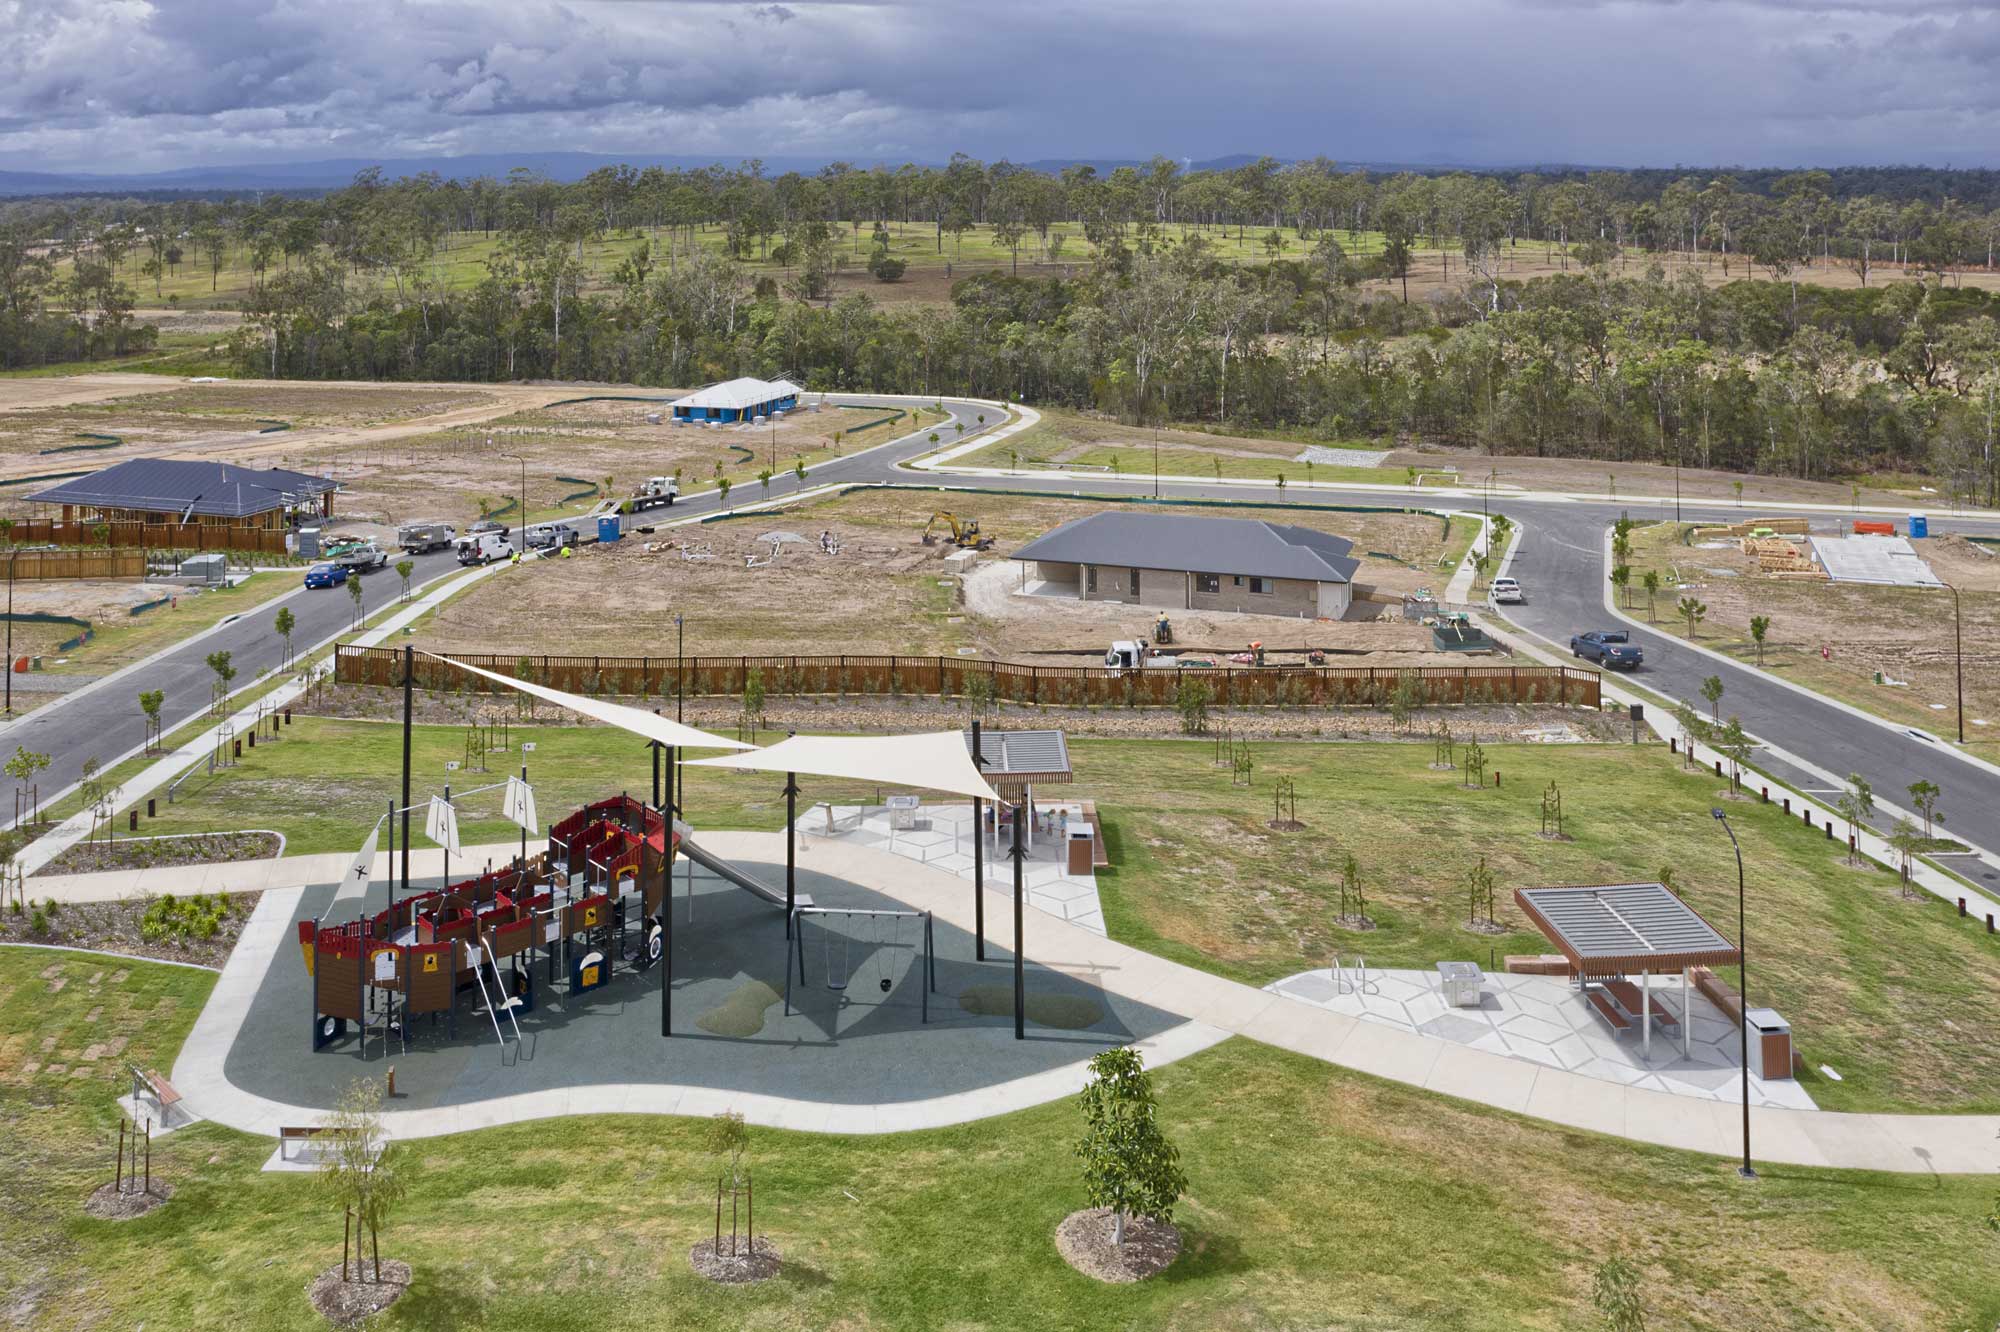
[[1213, 1008]]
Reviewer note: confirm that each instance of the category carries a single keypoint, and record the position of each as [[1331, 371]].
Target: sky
[[143, 85]]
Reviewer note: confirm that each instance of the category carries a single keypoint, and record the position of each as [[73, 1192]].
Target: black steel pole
[[791, 845], [524, 827], [655, 747], [409, 685], [667, 939], [1742, 989], [680, 666], [1958, 651], [10, 630], [673, 793], [1020, 976], [978, 855]]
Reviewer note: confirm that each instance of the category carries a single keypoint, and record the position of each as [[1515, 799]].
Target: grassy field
[[1317, 1197], [121, 640], [1196, 876], [1898, 633]]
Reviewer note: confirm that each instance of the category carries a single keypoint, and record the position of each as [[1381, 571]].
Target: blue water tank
[[1920, 525], [607, 527]]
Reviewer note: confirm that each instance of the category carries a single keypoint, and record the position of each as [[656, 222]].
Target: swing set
[[887, 933]]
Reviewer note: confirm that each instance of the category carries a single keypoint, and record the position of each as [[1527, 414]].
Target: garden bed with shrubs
[[149, 852], [200, 928]]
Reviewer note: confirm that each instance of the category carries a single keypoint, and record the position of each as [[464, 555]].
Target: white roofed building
[[737, 400]]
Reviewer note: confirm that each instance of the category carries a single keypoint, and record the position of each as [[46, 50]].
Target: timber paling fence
[[1006, 682], [130, 535]]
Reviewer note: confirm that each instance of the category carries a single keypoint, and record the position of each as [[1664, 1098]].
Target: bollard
[[392, 1080], [1989, 922], [152, 808], [1961, 908], [1718, 767], [253, 739], [1828, 825], [1788, 804], [1807, 811], [288, 716], [239, 747], [1767, 795], [1673, 744], [1496, 779], [132, 820]]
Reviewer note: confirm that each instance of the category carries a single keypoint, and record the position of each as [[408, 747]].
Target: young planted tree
[[1621, 578], [1906, 841], [24, 767], [753, 701], [1129, 1165], [1760, 625], [1693, 611], [1735, 747], [1924, 795], [219, 663], [1475, 763], [354, 595], [764, 480], [1711, 689], [1191, 699], [1615, 1292], [1353, 905], [1855, 804], [1650, 580], [1405, 698], [358, 1169], [284, 623], [1479, 893], [722, 492], [1692, 728], [404, 568], [799, 470], [150, 702]]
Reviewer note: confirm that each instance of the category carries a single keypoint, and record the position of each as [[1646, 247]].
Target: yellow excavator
[[964, 532]]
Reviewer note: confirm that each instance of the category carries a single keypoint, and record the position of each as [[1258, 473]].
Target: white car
[[1505, 589]]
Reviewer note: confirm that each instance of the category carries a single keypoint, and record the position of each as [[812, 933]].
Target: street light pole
[[1156, 460], [522, 524], [1959, 651], [1742, 989]]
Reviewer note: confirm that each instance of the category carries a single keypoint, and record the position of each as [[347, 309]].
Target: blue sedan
[[326, 575]]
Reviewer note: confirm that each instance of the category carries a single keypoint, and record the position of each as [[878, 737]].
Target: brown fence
[[943, 677], [151, 536], [32, 564]]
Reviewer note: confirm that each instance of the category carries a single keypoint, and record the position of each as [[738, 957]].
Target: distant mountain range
[[332, 173]]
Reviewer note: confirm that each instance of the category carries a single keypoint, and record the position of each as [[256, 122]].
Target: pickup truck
[[1611, 648]]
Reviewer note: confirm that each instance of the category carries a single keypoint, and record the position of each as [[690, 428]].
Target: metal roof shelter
[[1610, 931], [1235, 546], [1021, 758], [189, 488]]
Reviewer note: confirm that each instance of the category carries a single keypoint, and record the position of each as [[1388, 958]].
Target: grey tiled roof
[[179, 485], [1237, 546]]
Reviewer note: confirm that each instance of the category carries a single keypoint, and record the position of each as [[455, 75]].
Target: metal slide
[[724, 870]]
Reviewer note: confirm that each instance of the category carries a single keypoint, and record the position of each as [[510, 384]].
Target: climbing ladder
[[506, 1003]]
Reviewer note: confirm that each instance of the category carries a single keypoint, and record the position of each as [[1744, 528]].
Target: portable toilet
[[607, 527], [1920, 525], [309, 543]]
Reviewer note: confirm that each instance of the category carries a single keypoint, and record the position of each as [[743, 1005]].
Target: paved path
[[1214, 1007]]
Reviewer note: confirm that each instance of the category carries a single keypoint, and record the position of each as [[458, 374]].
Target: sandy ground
[[1904, 633], [63, 391], [883, 592]]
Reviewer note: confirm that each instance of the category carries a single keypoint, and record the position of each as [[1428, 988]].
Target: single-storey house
[[188, 492], [1181, 561], [737, 400]]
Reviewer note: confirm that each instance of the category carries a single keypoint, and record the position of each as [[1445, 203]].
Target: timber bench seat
[[1600, 1001], [1628, 997], [148, 1082], [292, 1134]]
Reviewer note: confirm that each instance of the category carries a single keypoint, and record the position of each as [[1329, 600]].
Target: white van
[[483, 547]]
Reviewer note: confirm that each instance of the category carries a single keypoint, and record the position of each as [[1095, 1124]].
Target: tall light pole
[[523, 496], [1742, 988], [1959, 653], [1156, 460]]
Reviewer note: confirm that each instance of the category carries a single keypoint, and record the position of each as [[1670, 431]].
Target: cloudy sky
[[125, 85]]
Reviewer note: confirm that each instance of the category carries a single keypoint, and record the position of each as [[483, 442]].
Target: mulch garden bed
[[752, 1262], [1084, 1240], [147, 852], [201, 929], [344, 1303], [110, 1203]]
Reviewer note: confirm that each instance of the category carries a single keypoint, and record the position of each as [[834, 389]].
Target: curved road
[[1560, 556]]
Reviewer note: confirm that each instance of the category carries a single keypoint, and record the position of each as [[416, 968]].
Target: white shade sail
[[649, 725], [936, 761]]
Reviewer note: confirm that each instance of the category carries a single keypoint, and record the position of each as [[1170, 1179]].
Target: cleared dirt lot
[[884, 591], [1904, 633]]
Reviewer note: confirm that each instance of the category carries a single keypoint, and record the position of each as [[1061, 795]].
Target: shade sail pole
[[978, 855], [409, 686], [1020, 976], [791, 847]]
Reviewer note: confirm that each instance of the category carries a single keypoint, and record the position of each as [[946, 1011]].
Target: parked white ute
[[1505, 589]]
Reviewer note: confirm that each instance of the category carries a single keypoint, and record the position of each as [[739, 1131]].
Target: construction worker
[[515, 558], [566, 552]]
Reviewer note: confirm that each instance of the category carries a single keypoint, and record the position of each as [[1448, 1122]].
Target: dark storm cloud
[[137, 84]]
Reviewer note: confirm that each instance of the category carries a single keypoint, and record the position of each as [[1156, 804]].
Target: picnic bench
[[148, 1082], [1628, 997], [1600, 1001]]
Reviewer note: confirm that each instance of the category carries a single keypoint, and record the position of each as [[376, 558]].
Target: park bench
[[307, 1133], [1608, 1010], [148, 1082]]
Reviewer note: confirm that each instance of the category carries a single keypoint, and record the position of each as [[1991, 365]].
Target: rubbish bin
[[1769, 1038], [1079, 849], [1920, 525]]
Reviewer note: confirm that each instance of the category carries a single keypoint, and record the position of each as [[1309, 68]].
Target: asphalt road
[[1560, 559]]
